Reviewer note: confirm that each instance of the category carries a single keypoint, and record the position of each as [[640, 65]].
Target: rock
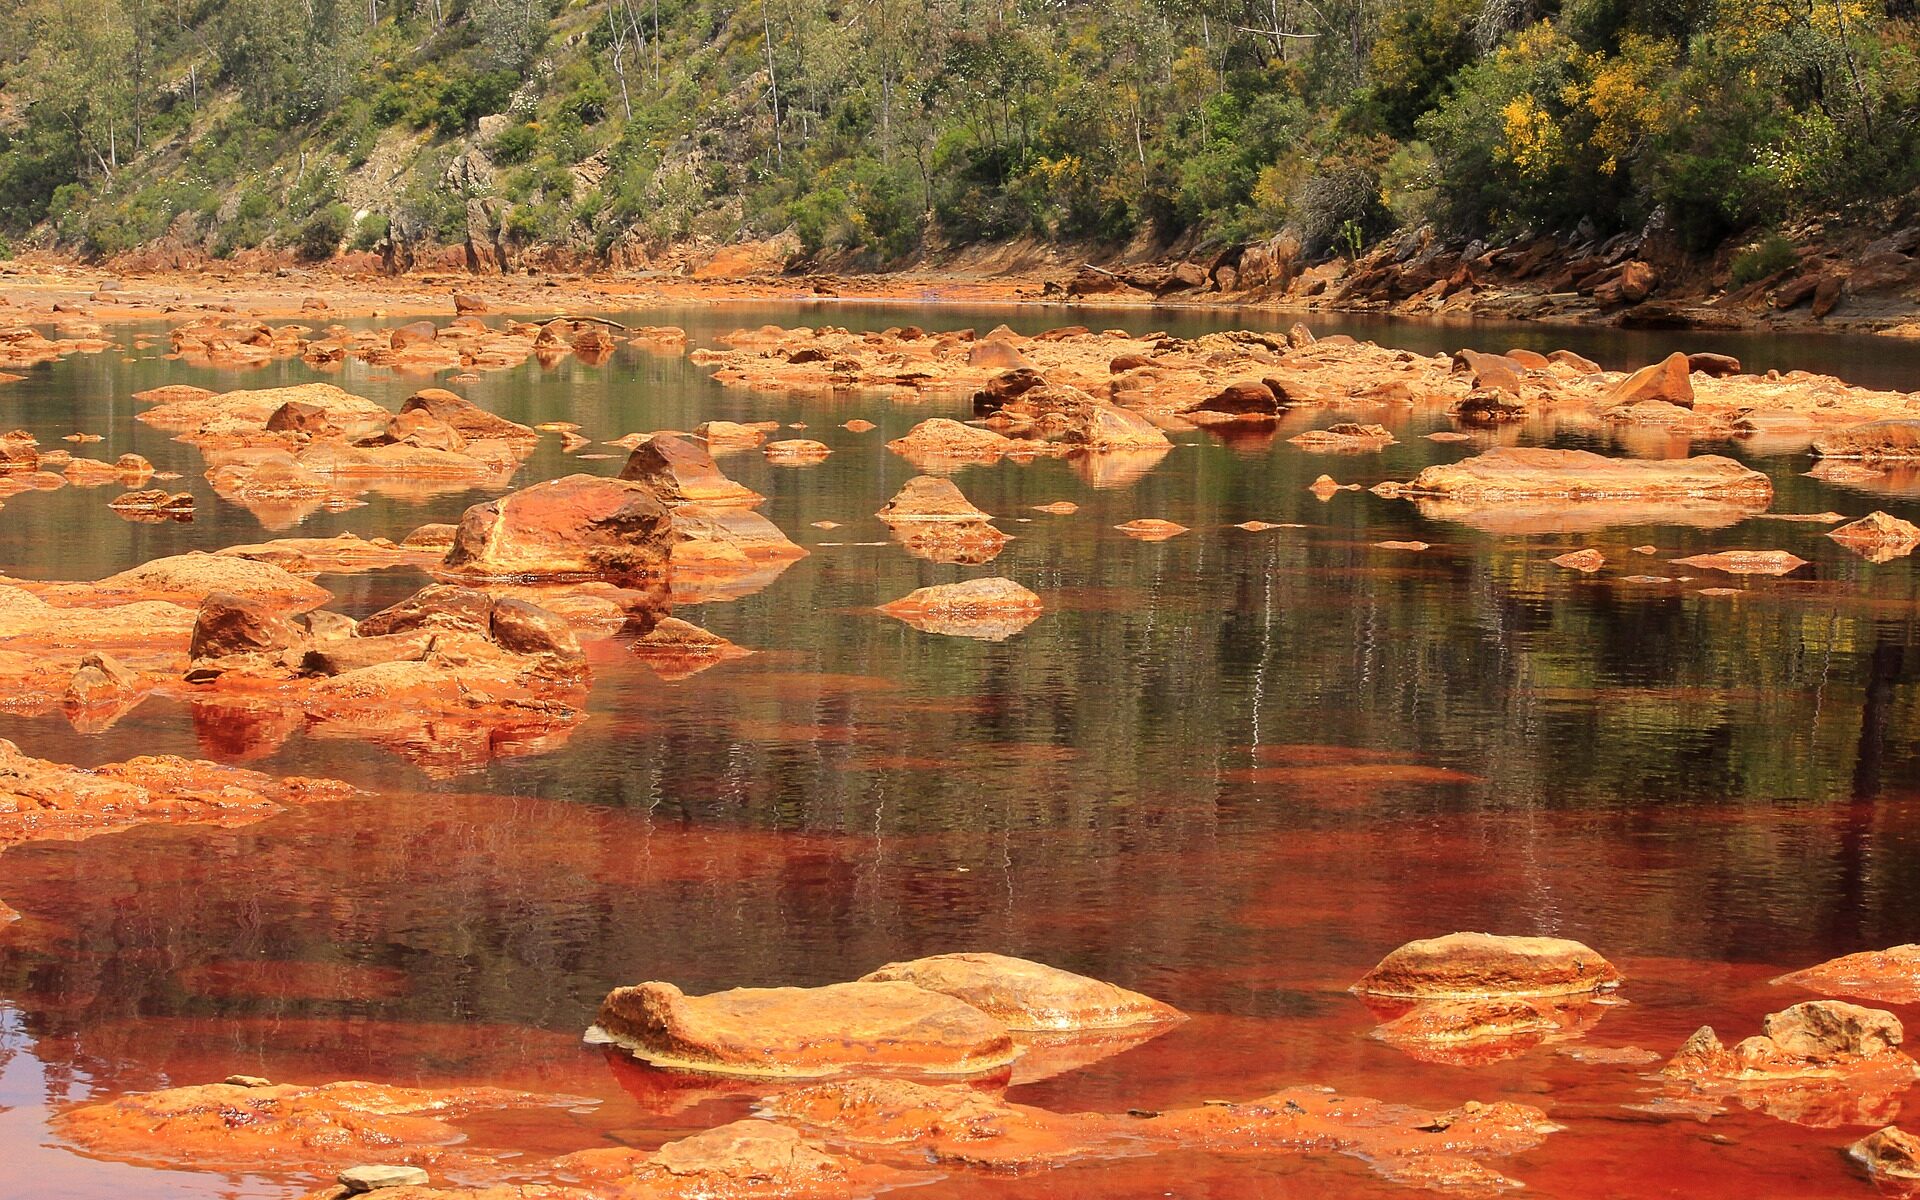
[[1484, 406], [680, 470], [1889, 976], [227, 625], [297, 416], [1461, 966], [1028, 995], [727, 435], [465, 417], [1875, 441], [1346, 437], [1513, 472], [797, 452], [989, 609], [993, 354], [372, 1177], [1745, 562], [188, 579], [465, 304], [942, 440], [1827, 295], [677, 649], [930, 498], [1396, 545], [1246, 398], [1878, 536], [519, 627], [1889, 1153], [1575, 362], [1482, 1031], [1588, 560], [1491, 372], [1820, 1038], [418, 333], [1668, 381], [801, 1032], [157, 501], [1714, 366], [286, 1127], [1151, 529], [580, 526]]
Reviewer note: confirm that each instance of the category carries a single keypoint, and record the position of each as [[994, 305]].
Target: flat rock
[[1028, 995], [1873, 441], [374, 1176], [577, 527], [1524, 472], [1464, 966], [1745, 562], [801, 1032], [1890, 976]]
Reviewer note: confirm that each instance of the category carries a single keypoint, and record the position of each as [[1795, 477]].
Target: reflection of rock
[[1028, 995], [1878, 537], [1466, 1033], [723, 552], [286, 1127], [990, 609], [1889, 976], [799, 1032], [1467, 966], [1106, 470], [1822, 1063]]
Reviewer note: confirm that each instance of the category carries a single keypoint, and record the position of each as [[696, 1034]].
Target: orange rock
[[1875, 441], [1745, 562], [1821, 1063], [1465, 1033], [286, 1127], [1346, 437], [801, 1032], [464, 416], [676, 649], [1878, 536], [742, 1161], [1889, 976], [797, 452], [680, 470], [1668, 381], [1467, 966], [991, 609], [577, 527], [1151, 529], [941, 440], [1588, 560], [1028, 995], [1059, 508], [1414, 546], [1890, 1153], [859, 425]]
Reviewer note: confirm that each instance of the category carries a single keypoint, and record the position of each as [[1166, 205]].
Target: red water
[[1230, 769]]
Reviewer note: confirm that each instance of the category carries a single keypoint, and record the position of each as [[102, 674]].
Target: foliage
[[866, 129], [1770, 256], [323, 232]]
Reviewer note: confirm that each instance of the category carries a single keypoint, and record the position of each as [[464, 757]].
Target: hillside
[[501, 133]]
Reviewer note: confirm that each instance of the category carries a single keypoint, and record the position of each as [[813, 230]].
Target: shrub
[[1769, 256], [321, 235], [515, 144], [370, 232]]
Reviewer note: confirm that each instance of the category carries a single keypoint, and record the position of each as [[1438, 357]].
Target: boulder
[[1714, 366], [989, 609], [188, 579], [801, 1032], [1668, 381], [417, 333], [576, 527], [226, 626], [467, 418], [1027, 995], [942, 439], [1491, 372], [680, 470], [1463, 966], [1878, 536], [930, 498], [993, 354], [1890, 1153]]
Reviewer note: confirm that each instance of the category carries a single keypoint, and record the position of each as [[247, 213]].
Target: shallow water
[[1231, 769]]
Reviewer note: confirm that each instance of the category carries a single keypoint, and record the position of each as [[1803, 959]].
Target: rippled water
[[1231, 769]]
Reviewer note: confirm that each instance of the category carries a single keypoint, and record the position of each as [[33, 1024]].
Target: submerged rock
[[676, 649], [1028, 995], [800, 1032], [1588, 560], [1465, 966]]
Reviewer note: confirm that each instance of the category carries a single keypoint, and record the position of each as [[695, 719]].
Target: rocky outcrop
[[1028, 995], [579, 527], [800, 1032], [1821, 1063], [1470, 966]]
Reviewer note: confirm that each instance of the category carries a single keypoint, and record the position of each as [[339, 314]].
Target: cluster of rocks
[[467, 343]]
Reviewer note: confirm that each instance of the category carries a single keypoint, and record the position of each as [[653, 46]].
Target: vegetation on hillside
[[886, 126]]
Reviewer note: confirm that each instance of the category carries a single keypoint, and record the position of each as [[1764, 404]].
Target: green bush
[[1769, 256], [515, 144], [371, 231], [320, 237]]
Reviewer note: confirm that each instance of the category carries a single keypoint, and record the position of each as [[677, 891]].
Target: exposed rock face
[[1891, 1153], [286, 1127], [680, 470], [48, 801], [582, 526], [1821, 1063], [800, 1032], [1028, 995], [1466, 966], [1875, 441], [1517, 473], [1889, 976], [1878, 537]]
